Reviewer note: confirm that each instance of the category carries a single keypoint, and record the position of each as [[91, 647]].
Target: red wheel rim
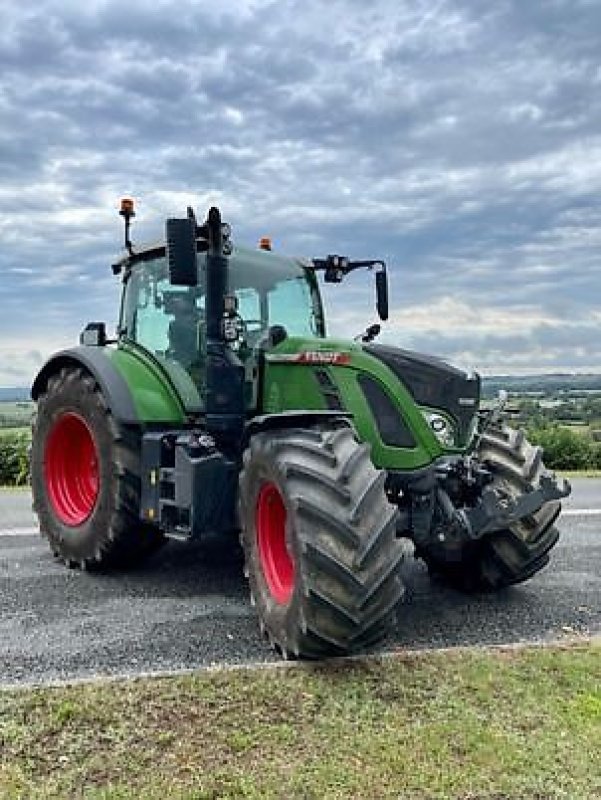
[[276, 562], [71, 469]]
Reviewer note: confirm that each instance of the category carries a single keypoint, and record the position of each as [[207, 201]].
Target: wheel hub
[[71, 469], [276, 562]]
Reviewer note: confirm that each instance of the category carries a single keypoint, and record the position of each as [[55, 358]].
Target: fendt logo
[[311, 357]]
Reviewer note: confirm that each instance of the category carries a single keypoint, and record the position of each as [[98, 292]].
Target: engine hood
[[433, 383]]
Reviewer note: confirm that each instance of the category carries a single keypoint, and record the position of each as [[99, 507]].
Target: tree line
[[568, 430], [564, 449]]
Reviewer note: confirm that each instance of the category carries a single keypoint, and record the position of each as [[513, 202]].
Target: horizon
[[484, 376]]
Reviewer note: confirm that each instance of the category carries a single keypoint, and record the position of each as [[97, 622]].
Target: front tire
[[511, 555], [319, 539], [85, 475]]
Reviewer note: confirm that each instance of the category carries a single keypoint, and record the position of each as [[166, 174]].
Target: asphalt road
[[188, 607]]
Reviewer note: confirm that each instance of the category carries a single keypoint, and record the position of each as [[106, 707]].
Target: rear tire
[[319, 539], [514, 554], [85, 475]]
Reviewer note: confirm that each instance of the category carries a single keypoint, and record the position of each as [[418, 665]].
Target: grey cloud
[[545, 348], [459, 142]]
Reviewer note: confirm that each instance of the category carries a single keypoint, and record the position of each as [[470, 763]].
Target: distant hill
[[548, 384], [14, 394]]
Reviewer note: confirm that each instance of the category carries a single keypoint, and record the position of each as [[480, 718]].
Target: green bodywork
[[156, 398], [294, 386], [163, 398]]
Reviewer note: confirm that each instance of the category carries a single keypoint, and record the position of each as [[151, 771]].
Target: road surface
[[188, 607]]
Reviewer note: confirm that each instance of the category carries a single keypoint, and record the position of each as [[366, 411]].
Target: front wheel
[[319, 538]]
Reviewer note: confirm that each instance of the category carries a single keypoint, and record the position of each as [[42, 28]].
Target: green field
[[15, 415], [26, 430], [16, 408], [475, 725]]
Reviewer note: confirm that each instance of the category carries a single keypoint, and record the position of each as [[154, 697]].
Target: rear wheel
[[319, 538], [514, 554], [85, 473]]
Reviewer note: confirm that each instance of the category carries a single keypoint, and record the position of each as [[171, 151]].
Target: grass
[[502, 724]]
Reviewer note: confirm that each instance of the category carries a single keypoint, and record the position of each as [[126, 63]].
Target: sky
[[460, 141]]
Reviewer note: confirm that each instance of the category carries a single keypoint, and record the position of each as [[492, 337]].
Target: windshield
[[169, 321], [272, 290], [289, 303]]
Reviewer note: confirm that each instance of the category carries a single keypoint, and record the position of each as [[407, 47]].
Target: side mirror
[[371, 332], [382, 293], [180, 235], [93, 335]]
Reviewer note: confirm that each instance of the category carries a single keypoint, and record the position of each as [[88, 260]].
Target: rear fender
[[134, 393], [94, 360]]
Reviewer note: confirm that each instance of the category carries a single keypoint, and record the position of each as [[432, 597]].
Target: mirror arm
[[337, 271]]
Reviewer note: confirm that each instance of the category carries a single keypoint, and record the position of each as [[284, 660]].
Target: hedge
[[14, 459], [565, 449]]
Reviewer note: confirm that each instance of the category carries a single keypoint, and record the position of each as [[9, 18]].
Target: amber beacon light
[[127, 207], [126, 210]]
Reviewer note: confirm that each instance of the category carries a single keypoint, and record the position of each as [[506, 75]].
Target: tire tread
[[347, 572]]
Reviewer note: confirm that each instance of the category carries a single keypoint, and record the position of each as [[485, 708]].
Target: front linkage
[[499, 485], [457, 503]]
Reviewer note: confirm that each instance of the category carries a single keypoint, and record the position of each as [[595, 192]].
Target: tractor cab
[[266, 292], [207, 311]]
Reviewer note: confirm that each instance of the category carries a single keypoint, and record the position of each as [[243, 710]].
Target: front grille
[[434, 384], [329, 390], [392, 428]]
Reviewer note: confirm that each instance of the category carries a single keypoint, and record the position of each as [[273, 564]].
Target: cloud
[[458, 141], [488, 338]]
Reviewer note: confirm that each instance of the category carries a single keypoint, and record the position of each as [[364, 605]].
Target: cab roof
[[247, 266], [241, 258]]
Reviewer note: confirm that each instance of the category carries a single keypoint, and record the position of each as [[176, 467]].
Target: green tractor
[[221, 407]]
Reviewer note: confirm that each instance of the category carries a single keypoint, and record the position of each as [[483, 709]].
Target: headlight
[[441, 427]]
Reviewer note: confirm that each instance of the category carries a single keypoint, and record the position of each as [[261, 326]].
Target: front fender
[[294, 419]]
